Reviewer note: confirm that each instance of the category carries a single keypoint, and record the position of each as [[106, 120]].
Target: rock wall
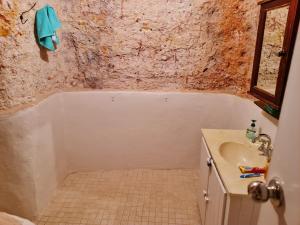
[[129, 44]]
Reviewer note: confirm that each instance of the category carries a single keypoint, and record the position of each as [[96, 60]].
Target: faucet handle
[[265, 146], [269, 152], [262, 147]]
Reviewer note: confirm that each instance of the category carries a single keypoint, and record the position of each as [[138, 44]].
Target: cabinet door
[[204, 172], [216, 199]]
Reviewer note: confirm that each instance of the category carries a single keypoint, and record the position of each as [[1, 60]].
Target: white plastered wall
[[32, 159], [75, 131]]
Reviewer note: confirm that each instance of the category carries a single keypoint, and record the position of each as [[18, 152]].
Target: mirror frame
[[275, 101]]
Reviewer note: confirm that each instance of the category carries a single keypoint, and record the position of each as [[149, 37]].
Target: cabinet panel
[[215, 206], [242, 210], [204, 172]]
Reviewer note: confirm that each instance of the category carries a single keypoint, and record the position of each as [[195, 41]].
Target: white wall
[[152, 130], [32, 161], [244, 110], [94, 130]]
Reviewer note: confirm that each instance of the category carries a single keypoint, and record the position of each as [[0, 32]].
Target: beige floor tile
[[126, 197]]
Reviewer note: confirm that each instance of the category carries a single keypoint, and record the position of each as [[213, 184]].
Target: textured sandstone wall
[[129, 44]]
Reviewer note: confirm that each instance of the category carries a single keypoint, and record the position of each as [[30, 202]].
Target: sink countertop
[[229, 173]]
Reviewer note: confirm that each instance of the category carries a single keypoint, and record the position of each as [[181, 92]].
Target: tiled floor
[[126, 197]]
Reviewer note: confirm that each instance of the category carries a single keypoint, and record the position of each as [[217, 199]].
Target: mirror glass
[[276, 20]]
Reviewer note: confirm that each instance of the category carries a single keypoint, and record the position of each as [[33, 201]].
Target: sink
[[241, 155]]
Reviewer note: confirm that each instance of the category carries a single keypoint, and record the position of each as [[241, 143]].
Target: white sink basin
[[241, 155]]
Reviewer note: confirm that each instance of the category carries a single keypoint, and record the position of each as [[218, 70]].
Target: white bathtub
[[76, 131]]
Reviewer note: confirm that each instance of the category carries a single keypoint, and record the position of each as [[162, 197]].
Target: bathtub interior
[[87, 131]]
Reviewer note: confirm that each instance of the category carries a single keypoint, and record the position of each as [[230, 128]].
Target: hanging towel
[[46, 25]]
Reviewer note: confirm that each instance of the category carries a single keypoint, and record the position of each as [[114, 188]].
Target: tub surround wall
[[32, 160], [133, 44], [17, 190], [149, 130], [83, 131]]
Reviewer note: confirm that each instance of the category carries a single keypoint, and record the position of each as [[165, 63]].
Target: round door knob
[[261, 192]]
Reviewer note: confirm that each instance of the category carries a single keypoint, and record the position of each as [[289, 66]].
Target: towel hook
[[27, 11]]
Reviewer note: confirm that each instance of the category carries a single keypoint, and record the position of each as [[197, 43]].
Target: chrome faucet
[[265, 146]]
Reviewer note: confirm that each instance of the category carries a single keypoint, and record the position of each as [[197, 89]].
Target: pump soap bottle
[[251, 131]]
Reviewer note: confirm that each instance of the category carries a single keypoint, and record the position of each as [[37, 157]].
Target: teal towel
[[46, 25]]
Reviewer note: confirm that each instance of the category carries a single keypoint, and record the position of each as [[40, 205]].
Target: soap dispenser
[[251, 131]]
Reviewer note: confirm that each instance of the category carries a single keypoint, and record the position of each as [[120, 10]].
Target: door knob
[[261, 192]]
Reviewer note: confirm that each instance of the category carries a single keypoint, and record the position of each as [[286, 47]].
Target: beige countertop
[[230, 173]]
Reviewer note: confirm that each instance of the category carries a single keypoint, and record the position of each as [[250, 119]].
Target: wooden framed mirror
[[277, 30]]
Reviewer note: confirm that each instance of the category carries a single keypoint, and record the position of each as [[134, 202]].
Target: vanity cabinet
[[217, 206], [213, 194]]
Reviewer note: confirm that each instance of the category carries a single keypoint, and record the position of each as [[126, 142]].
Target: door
[[286, 158], [216, 198]]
